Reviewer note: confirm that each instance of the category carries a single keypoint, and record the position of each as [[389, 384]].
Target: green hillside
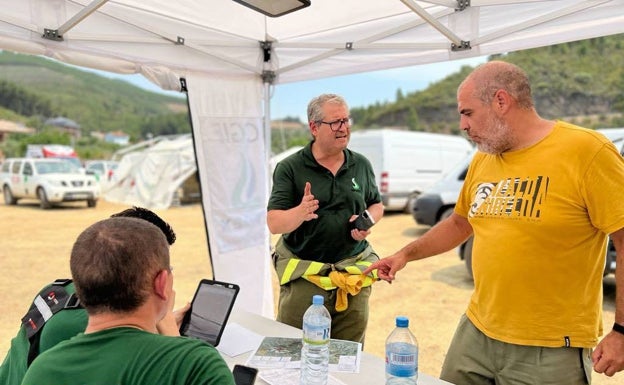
[[95, 102], [579, 81]]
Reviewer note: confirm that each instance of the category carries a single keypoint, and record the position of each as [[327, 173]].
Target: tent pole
[[184, 88], [433, 22], [71, 23], [268, 77], [89, 9], [267, 131]]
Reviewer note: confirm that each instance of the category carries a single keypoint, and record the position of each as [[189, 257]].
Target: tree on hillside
[[413, 122], [170, 124], [15, 98], [399, 95], [16, 145]]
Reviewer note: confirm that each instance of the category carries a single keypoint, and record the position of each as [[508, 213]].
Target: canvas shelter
[[229, 57], [150, 172]]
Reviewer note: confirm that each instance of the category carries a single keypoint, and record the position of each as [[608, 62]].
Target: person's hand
[[179, 314], [608, 356], [169, 325], [387, 267], [357, 234], [308, 204]]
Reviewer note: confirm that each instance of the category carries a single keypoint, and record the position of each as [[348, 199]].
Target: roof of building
[[61, 121], [13, 127]]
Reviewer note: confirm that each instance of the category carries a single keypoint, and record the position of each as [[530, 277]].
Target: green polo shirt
[[328, 238], [128, 356]]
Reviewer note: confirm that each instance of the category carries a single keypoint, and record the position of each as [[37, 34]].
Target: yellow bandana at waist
[[346, 275]]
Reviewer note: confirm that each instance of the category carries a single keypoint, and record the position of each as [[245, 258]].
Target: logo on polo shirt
[[356, 186]]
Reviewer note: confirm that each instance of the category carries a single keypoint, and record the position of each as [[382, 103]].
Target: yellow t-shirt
[[541, 216]]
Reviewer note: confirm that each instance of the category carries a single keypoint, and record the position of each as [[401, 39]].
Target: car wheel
[[43, 198], [467, 256], [9, 199], [409, 206], [91, 202]]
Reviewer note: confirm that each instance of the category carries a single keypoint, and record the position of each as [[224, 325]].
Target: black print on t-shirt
[[511, 197]]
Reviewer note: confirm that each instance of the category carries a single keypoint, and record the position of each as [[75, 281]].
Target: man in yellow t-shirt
[[540, 197]]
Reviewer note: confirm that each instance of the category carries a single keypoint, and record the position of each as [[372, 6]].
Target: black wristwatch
[[618, 328]]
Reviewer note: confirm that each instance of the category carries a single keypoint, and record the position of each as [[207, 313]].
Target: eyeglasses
[[337, 124]]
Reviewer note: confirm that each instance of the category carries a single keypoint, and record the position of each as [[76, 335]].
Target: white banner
[[230, 146]]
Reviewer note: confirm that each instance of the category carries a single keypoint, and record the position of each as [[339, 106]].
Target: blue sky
[[360, 90]]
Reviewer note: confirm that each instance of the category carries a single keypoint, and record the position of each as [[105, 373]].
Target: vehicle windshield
[[74, 161], [56, 167]]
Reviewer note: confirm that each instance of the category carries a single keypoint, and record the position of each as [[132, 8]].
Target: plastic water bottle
[[401, 355], [315, 350]]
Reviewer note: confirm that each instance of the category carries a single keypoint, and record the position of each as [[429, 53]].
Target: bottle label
[[402, 364], [315, 335]]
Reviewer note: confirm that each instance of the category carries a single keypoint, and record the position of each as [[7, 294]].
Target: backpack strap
[[48, 302]]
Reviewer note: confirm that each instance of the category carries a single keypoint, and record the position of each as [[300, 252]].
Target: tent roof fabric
[[165, 40]]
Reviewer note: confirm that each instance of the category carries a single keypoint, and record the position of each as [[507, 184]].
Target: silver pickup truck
[[49, 180]]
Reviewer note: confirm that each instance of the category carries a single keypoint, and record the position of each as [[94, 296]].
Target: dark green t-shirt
[[325, 239], [129, 356]]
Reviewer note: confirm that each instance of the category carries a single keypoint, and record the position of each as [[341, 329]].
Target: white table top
[[372, 368]]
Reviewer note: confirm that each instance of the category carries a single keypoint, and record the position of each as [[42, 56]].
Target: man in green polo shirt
[[122, 275], [65, 322], [317, 195]]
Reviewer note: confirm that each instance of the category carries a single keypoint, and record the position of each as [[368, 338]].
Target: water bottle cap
[[317, 300], [402, 321]]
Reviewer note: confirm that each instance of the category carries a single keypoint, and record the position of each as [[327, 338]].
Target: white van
[[406, 163], [616, 135]]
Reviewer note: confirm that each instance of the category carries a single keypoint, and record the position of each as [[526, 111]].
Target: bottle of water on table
[[401, 355], [315, 350]]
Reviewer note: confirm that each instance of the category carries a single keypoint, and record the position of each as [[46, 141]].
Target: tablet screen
[[209, 311]]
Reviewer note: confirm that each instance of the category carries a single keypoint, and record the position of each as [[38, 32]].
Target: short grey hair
[[496, 75], [315, 107]]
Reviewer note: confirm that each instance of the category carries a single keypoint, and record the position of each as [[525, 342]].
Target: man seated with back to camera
[[127, 308], [67, 321]]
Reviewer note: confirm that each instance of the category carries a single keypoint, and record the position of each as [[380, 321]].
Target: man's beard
[[497, 138]]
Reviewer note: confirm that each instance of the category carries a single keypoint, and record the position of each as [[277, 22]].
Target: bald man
[[540, 198]]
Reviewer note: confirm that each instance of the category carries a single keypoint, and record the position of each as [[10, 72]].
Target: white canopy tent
[[150, 172], [229, 56]]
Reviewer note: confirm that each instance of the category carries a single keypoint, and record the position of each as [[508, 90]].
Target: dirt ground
[[35, 246]]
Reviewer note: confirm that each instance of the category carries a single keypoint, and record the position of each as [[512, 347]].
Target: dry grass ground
[[35, 246]]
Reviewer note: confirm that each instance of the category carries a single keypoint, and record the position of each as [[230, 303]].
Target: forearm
[[619, 290], [442, 237], [283, 221], [618, 241], [376, 210]]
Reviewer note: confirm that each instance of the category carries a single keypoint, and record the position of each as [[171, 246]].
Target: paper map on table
[[285, 353], [290, 377]]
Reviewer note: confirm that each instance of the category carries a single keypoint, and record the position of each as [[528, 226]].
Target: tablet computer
[[210, 310]]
